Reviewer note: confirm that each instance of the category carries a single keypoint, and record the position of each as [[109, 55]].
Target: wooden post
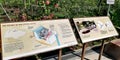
[[60, 54], [101, 51], [83, 51]]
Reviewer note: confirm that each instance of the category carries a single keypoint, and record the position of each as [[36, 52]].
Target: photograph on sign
[[94, 28], [21, 39]]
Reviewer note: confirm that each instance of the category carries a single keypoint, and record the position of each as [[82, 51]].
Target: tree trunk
[[36, 2]]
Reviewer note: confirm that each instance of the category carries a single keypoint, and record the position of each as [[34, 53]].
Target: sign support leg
[[60, 54], [83, 51], [102, 48]]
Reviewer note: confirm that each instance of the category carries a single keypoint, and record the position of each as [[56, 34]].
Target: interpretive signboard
[[94, 28], [28, 38]]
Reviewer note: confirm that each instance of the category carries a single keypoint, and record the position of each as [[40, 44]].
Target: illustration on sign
[[43, 33], [14, 33]]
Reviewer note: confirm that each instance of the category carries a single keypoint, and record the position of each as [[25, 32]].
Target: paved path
[[89, 55]]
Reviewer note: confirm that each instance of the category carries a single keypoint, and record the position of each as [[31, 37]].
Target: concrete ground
[[91, 54]]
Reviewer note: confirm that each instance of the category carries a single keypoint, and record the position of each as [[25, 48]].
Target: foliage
[[56, 9], [115, 13]]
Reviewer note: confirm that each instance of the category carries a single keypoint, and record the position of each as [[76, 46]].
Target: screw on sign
[[110, 1]]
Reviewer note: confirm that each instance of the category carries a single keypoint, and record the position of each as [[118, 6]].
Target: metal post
[[108, 10]]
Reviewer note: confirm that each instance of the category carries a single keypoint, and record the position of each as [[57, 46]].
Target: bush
[[57, 9]]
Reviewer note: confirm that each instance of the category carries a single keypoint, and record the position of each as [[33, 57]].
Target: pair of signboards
[[28, 38]]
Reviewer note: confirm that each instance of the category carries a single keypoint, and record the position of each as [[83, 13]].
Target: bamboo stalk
[[5, 11]]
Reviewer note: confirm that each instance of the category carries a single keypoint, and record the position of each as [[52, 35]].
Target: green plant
[[115, 13], [56, 9]]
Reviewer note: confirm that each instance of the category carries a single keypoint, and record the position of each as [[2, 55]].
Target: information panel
[[27, 38], [110, 1], [94, 28]]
